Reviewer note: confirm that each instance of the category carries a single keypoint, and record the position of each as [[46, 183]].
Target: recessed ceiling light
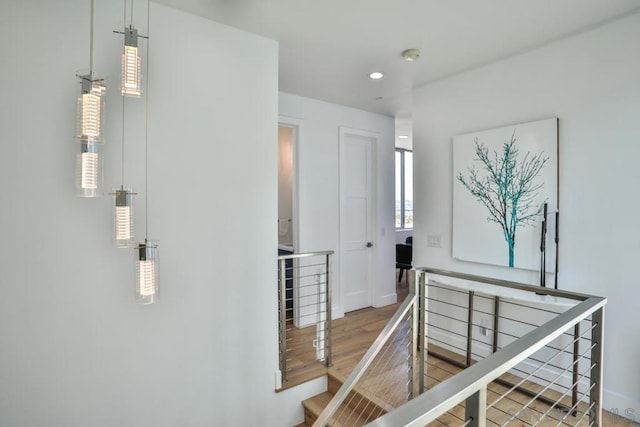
[[376, 75], [411, 54], [403, 136]]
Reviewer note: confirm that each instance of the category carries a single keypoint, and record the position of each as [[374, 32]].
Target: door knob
[[369, 244]]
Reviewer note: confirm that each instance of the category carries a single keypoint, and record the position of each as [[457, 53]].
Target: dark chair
[[404, 255]]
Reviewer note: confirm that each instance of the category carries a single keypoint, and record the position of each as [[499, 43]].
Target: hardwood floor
[[354, 334]]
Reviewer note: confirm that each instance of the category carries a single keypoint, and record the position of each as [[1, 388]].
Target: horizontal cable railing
[[304, 311], [383, 379], [504, 353]]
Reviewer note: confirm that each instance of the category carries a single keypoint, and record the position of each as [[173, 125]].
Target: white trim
[[621, 405], [297, 125], [385, 300]]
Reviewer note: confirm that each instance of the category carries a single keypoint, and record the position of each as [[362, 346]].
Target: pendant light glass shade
[[147, 263], [90, 117], [89, 170], [131, 75], [123, 217]]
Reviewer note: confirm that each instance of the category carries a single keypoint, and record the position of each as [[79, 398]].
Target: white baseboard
[[337, 312], [621, 405], [386, 300]]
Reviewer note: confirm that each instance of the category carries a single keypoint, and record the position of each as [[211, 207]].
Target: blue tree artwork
[[502, 178], [507, 188]]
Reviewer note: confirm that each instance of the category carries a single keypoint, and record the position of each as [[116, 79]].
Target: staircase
[[358, 409]]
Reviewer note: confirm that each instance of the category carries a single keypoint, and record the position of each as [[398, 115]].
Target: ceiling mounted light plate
[[376, 75], [411, 54]]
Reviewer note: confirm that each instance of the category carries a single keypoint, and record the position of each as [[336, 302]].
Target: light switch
[[434, 241]]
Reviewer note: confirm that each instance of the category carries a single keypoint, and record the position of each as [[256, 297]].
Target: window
[[404, 188]]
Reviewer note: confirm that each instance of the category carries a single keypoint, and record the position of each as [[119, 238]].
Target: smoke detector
[[411, 54]]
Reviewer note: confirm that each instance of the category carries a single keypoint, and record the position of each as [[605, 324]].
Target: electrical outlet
[[484, 326]]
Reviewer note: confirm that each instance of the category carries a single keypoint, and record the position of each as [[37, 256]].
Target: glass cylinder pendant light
[[89, 128], [131, 85], [90, 118], [89, 170], [123, 216], [146, 281]]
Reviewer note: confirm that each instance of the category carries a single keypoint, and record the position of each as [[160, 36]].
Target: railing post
[[416, 371], [329, 305], [475, 412], [422, 332], [470, 327], [597, 353], [282, 318], [576, 362], [496, 317], [414, 391]]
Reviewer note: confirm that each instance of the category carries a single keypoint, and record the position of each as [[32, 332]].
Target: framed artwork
[[502, 179]]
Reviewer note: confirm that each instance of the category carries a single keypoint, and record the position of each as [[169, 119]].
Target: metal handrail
[[305, 255], [507, 284], [471, 384], [366, 360], [435, 402]]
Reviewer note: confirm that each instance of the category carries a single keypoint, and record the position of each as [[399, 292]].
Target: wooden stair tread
[[337, 378], [316, 404], [345, 416]]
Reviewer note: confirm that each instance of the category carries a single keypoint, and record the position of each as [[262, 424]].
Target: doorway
[[357, 219], [286, 167]]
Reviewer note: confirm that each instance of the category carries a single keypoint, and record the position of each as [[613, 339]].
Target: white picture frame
[[490, 178]]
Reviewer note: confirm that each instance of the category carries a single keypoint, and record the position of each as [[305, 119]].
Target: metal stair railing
[[304, 310], [530, 373], [387, 376]]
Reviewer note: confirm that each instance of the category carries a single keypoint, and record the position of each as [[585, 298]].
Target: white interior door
[[356, 217]]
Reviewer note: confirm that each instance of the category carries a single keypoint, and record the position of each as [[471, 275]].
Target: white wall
[[74, 348], [401, 235], [589, 81], [319, 190]]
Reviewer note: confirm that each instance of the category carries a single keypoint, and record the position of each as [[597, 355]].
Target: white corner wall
[[74, 348], [589, 81], [319, 186]]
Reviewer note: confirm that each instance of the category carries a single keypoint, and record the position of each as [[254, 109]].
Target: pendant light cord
[[146, 129], [131, 20], [123, 115], [124, 18], [91, 42]]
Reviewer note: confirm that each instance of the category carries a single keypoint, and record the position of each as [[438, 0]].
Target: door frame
[[296, 125], [375, 136]]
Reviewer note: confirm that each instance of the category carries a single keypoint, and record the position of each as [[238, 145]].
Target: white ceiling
[[328, 47]]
